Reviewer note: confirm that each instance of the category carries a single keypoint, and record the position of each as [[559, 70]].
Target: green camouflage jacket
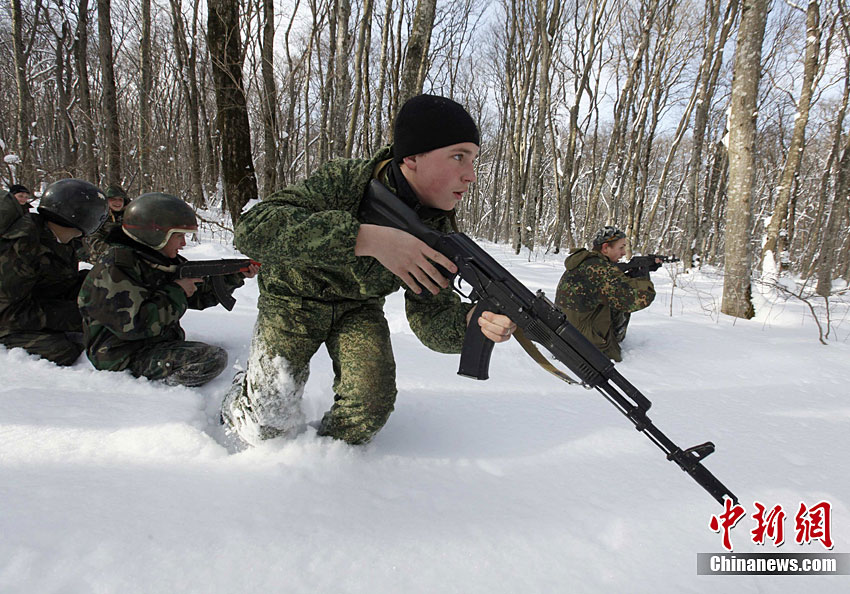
[[305, 235], [39, 279], [96, 245], [591, 288], [129, 302]]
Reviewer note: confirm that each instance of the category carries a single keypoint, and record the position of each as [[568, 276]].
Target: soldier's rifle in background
[[496, 290], [641, 266], [215, 271]]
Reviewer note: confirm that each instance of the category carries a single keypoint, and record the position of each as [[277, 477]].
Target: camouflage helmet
[[153, 218], [607, 234], [116, 191], [74, 203]]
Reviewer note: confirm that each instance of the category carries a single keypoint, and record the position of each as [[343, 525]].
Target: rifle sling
[[535, 354]]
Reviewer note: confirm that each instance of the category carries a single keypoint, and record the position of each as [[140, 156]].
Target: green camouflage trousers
[[266, 402], [62, 348], [179, 362]]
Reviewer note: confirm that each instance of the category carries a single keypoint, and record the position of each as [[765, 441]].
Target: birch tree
[[737, 288], [769, 256]]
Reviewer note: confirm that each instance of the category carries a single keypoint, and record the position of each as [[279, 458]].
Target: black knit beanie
[[428, 122], [15, 188]]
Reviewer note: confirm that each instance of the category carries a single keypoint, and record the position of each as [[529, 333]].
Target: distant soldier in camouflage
[[325, 277], [132, 301], [598, 297], [96, 243], [21, 194], [39, 271]]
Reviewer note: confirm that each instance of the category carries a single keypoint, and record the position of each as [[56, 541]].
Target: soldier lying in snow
[[132, 300]]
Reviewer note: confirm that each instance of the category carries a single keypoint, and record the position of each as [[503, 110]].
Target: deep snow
[[518, 484]]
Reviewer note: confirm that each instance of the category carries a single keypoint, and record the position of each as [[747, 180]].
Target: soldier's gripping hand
[[189, 285], [496, 327], [405, 256], [252, 271]]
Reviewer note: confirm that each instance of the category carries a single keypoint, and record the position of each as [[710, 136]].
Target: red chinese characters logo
[[771, 524], [726, 521], [811, 523], [814, 523]]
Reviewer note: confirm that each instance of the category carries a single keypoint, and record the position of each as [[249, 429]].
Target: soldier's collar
[[396, 179]]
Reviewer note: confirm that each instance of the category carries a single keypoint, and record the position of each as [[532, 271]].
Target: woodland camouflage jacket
[[96, 245], [305, 235], [130, 301], [591, 288], [39, 279]]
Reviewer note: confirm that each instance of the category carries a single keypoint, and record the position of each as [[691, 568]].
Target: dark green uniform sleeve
[[116, 298], [439, 321], [20, 310], [304, 223]]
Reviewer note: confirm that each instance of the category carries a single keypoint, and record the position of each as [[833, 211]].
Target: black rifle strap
[[535, 354]]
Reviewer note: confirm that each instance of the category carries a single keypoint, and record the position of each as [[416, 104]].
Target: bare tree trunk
[[382, 78], [63, 128], [145, 178], [360, 58], [624, 104], [811, 253], [271, 133], [89, 164], [545, 27], [769, 257], [831, 236], [416, 58], [712, 60], [237, 169], [25, 101], [112, 130], [341, 80], [288, 147], [595, 18], [737, 288], [210, 144], [186, 69]]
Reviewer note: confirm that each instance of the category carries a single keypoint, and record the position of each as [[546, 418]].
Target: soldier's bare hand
[[189, 285], [252, 271], [405, 256], [496, 327]]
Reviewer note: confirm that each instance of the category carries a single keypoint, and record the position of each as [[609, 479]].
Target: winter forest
[[713, 130]]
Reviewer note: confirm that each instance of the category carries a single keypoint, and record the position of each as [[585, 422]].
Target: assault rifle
[[215, 270], [640, 266], [540, 321]]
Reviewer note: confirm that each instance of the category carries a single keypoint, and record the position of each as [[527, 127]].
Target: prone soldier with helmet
[[39, 271], [133, 299]]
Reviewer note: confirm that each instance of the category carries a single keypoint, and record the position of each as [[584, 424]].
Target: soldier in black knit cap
[[325, 277]]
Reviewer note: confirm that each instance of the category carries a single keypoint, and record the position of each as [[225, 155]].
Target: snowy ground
[[518, 484]]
